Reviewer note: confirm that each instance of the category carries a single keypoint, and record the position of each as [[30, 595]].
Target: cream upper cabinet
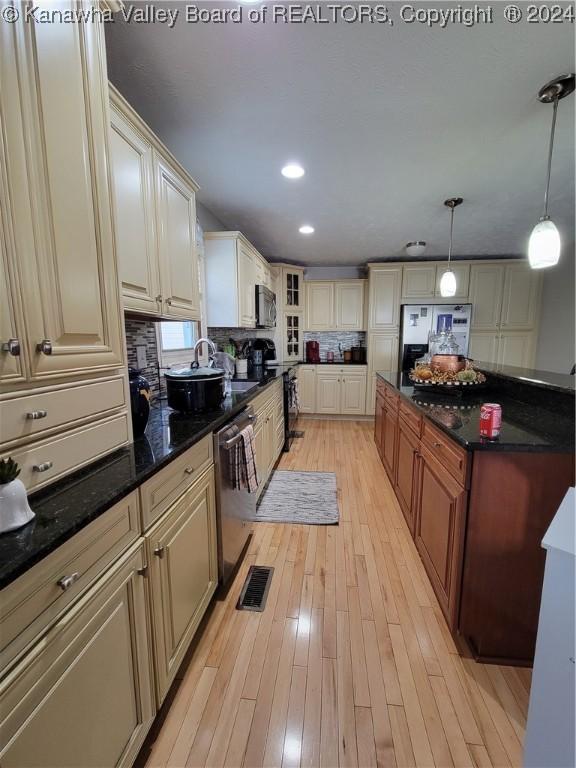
[[133, 177], [327, 391], [516, 348], [58, 192], [247, 277], [293, 335], [177, 242], [320, 306], [462, 273], [184, 575], [307, 388], [12, 345], [292, 288], [418, 282], [384, 302], [349, 304], [521, 298], [483, 346], [486, 288], [83, 696], [353, 393]]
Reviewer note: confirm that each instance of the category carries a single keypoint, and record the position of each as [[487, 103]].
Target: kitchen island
[[478, 509]]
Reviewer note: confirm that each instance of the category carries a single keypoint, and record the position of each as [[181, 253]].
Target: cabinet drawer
[[452, 458], [31, 415], [411, 417], [39, 596], [46, 461], [158, 493], [261, 402], [392, 397]]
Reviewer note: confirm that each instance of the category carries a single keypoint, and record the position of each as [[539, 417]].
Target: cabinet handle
[[142, 571], [437, 445], [169, 302], [39, 414], [66, 581], [45, 347], [43, 467], [189, 470], [159, 552], [12, 346]]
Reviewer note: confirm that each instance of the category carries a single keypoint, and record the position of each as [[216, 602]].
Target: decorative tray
[[448, 382]]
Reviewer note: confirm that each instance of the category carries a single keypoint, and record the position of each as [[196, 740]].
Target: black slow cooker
[[195, 389]]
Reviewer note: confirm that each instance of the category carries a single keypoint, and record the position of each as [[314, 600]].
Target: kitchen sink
[[242, 386]]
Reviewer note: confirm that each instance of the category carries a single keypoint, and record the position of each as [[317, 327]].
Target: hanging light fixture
[[544, 245], [448, 279]]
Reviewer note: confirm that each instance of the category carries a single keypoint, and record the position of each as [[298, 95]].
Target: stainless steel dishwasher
[[234, 509]]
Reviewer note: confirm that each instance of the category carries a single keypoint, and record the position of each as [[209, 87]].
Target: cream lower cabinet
[[57, 193], [268, 431], [341, 391], [83, 696], [307, 388], [182, 553], [327, 392], [353, 394]]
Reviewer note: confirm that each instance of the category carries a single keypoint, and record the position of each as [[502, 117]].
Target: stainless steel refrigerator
[[420, 320]]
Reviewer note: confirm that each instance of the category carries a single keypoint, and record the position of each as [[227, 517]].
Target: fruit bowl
[[433, 378]]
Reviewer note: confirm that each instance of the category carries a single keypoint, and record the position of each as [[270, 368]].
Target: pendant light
[[544, 245], [448, 279]]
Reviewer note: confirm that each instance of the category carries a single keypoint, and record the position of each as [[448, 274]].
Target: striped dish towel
[[243, 472]]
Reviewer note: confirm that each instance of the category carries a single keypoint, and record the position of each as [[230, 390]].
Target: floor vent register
[[255, 589]]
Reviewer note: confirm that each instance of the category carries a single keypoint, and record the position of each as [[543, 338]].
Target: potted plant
[[240, 355], [14, 508]]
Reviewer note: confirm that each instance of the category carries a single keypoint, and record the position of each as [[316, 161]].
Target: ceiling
[[387, 120]]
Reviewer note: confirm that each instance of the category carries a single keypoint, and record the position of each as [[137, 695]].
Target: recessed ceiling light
[[306, 230], [293, 171]]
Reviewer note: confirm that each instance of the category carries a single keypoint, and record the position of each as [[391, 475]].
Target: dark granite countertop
[[335, 363], [527, 425], [68, 505], [556, 382]]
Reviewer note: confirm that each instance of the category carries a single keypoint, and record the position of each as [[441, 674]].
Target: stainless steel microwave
[[265, 307]]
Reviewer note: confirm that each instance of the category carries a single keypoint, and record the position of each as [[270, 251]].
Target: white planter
[[14, 508], [241, 366]]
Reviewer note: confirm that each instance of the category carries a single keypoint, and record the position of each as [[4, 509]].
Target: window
[[176, 342]]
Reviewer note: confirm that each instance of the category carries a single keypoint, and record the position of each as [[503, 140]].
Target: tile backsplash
[[329, 341], [142, 333], [221, 336]]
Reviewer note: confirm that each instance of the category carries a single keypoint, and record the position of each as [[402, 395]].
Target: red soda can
[[490, 420]]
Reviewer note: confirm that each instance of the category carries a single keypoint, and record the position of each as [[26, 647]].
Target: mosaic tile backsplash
[[142, 333], [330, 341]]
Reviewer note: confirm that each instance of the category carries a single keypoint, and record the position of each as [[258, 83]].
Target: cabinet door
[[293, 335], [184, 575], [320, 306], [462, 272], [327, 392], [516, 348], [293, 289], [133, 178], [59, 196], [407, 473], [307, 389], [379, 422], [176, 202], [260, 439], [353, 394], [384, 292], [418, 282], [390, 442], [486, 288], [246, 287], [484, 346], [440, 521], [349, 299], [521, 298], [12, 346], [84, 695], [383, 352]]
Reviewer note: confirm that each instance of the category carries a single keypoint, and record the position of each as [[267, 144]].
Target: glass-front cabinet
[[293, 288], [293, 335]]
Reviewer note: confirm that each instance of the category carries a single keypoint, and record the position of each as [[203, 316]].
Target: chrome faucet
[[198, 345]]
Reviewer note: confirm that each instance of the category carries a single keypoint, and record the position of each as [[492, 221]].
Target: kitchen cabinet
[[382, 356], [341, 390], [12, 347], [385, 285], [407, 472], [516, 348], [327, 392], [84, 694], [58, 195], [353, 393], [521, 298], [182, 554], [176, 216], [379, 420], [462, 273], [292, 288], [132, 169], [246, 286], [349, 305], [269, 431], [486, 289], [483, 346], [320, 306], [307, 388], [390, 440], [418, 282], [293, 335], [440, 519]]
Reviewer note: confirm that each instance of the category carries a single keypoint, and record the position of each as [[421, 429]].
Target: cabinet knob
[[66, 581], [437, 445], [159, 552], [169, 302], [39, 414], [189, 470], [45, 347], [43, 467], [12, 346], [159, 298]]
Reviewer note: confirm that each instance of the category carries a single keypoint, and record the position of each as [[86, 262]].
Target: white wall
[[208, 221], [333, 273], [555, 350]]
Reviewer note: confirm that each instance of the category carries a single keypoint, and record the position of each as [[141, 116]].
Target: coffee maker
[[312, 352], [262, 351]]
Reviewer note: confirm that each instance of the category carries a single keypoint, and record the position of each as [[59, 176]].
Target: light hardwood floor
[[351, 663]]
